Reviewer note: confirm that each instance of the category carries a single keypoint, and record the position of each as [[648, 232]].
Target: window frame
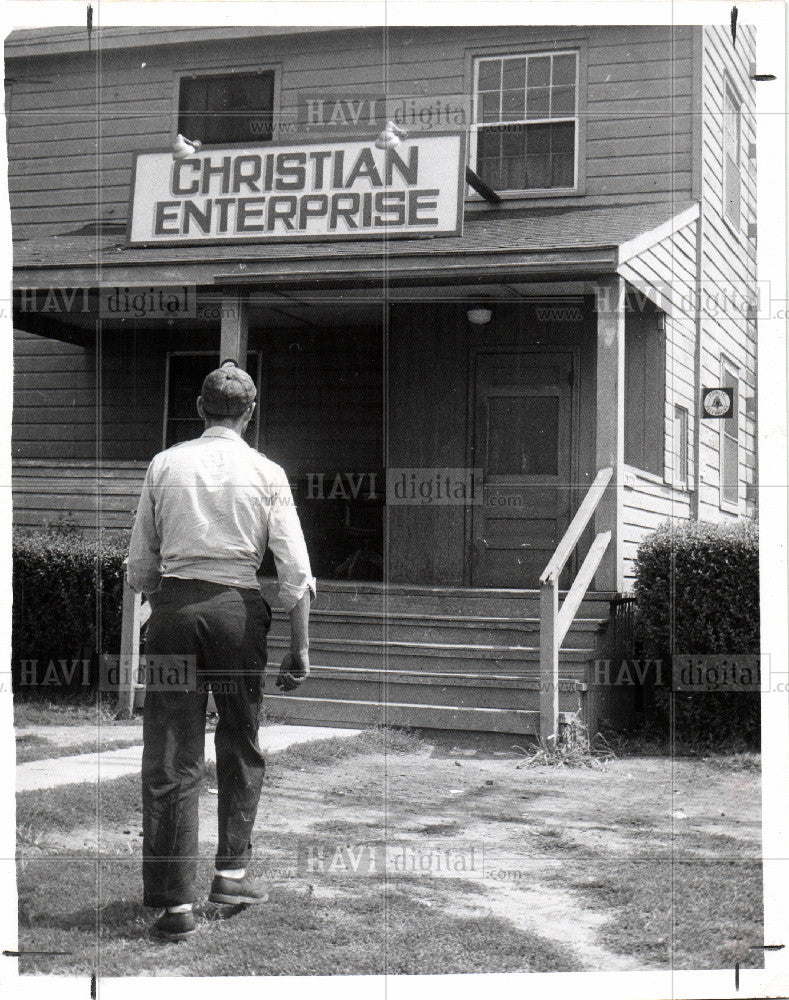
[[730, 93], [729, 370], [681, 447], [255, 352], [234, 70], [568, 46]]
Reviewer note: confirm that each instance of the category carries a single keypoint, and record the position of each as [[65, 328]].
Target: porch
[[429, 608]]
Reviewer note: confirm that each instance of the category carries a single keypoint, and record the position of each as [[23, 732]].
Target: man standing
[[209, 509]]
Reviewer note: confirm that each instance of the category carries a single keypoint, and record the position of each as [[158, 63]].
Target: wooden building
[[597, 275]]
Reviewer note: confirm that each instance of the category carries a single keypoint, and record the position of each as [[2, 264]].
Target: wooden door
[[522, 443]]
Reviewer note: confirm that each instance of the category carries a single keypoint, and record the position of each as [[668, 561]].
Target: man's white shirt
[[209, 509]]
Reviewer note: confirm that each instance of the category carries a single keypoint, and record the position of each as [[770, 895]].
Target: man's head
[[227, 397]]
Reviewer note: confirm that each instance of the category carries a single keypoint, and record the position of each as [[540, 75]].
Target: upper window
[[732, 125], [527, 121], [234, 107]]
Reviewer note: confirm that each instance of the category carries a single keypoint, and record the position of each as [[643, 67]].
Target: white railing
[[555, 621], [135, 614]]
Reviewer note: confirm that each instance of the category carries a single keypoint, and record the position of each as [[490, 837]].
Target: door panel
[[522, 442]]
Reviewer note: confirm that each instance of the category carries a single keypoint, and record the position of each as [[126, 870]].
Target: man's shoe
[[237, 890], [174, 926]]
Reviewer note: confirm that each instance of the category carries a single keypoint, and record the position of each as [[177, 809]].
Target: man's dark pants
[[224, 629]]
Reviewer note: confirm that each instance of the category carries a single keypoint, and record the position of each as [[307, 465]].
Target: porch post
[[129, 660], [610, 451], [235, 328]]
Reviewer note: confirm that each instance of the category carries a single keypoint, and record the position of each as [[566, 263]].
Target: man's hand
[[293, 671]]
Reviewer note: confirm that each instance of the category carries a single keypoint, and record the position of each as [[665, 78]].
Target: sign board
[[336, 189], [717, 402]]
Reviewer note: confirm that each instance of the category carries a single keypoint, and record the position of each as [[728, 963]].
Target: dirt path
[[473, 834], [498, 835]]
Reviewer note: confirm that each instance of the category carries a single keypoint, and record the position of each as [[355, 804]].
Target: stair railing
[[134, 615], [555, 621]]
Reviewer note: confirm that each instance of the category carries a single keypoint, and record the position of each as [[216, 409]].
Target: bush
[[697, 591], [66, 603]]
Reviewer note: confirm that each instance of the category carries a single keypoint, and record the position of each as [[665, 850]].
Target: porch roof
[[501, 243]]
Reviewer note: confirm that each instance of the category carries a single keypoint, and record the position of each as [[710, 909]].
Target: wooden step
[[419, 687], [325, 711], [435, 628], [335, 595], [426, 656]]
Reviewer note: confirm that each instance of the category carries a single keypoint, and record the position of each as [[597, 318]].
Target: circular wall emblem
[[717, 403]]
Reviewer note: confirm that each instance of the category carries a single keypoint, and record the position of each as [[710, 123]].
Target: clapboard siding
[[666, 273], [728, 258], [647, 505], [635, 99], [88, 495], [65, 405]]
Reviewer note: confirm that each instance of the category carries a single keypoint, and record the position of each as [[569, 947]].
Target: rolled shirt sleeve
[[143, 572], [286, 541]]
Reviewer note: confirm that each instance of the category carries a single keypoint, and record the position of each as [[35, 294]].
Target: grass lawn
[[75, 712], [38, 748], [636, 864]]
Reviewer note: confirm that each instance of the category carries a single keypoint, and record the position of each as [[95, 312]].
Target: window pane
[[513, 173], [563, 70], [490, 107], [563, 170], [539, 71], [538, 171], [514, 74], [731, 190], [513, 140], [489, 160], [538, 140], [490, 74], [730, 487], [562, 102], [523, 435], [562, 137], [512, 105], [731, 425], [538, 102]]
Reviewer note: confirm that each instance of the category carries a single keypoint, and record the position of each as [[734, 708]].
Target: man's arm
[[296, 582], [295, 666], [143, 568], [299, 627]]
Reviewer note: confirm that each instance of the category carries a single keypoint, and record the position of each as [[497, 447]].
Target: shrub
[[66, 601], [697, 591]]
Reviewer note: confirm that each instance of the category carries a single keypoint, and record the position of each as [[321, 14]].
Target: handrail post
[[129, 661], [549, 659]]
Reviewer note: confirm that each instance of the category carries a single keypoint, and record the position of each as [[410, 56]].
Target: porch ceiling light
[[390, 137], [183, 147], [479, 315]]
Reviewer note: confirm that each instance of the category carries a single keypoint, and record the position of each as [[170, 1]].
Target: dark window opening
[[237, 107]]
